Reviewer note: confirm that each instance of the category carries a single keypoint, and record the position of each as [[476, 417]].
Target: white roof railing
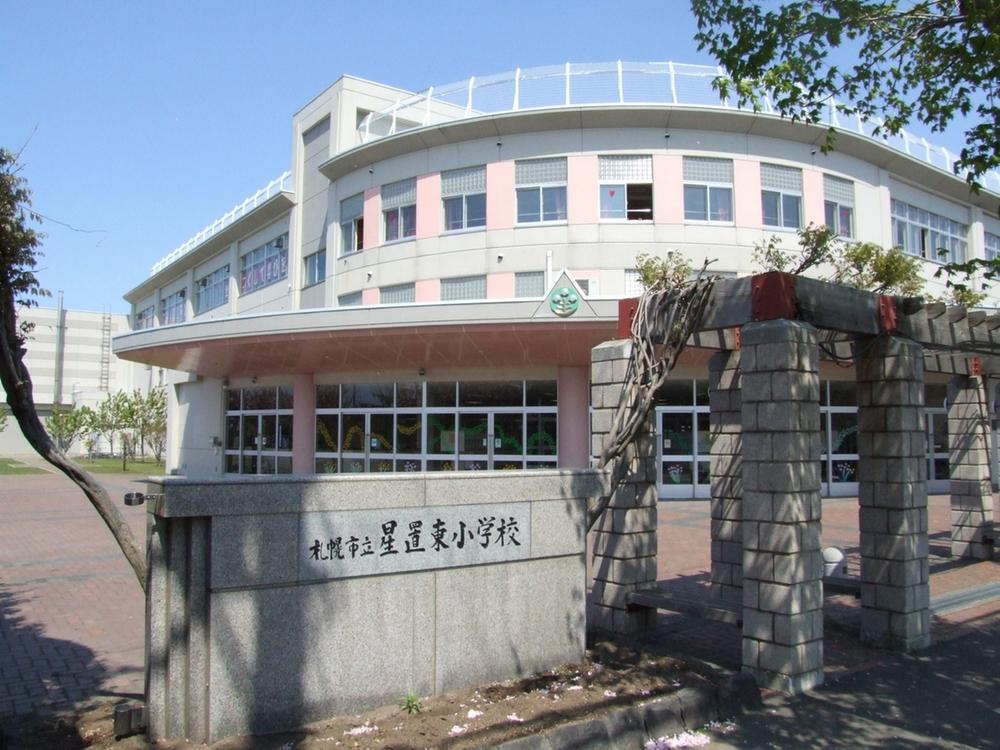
[[618, 82], [272, 188]]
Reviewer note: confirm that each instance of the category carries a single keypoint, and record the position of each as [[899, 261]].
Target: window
[[212, 290], [633, 283], [587, 286], [264, 265], [838, 197], [928, 235], [144, 318], [463, 287], [529, 284], [399, 209], [992, 246], [541, 190], [352, 224], [400, 294], [436, 426], [315, 268], [463, 195], [708, 189], [259, 430], [172, 308], [349, 300], [781, 196], [626, 187]]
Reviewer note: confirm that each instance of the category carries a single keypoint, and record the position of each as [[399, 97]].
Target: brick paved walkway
[[71, 611]]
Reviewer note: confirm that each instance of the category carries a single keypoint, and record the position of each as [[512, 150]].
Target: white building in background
[[71, 363], [422, 289]]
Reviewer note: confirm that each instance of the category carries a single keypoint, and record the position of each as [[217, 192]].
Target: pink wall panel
[[500, 195], [429, 205], [304, 425], [746, 194], [574, 418], [812, 197], [500, 286], [427, 290], [369, 296], [581, 189], [668, 189], [373, 217]]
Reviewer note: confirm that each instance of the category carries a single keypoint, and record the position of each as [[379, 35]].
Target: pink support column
[[373, 217], [581, 189], [813, 211], [427, 290], [500, 195], [369, 296], [668, 189], [746, 194], [429, 205], [500, 286], [574, 417], [304, 425]]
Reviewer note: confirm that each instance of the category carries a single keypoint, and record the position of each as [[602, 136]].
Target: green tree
[[153, 424], [19, 253], [111, 416], [3, 420], [902, 60], [66, 425]]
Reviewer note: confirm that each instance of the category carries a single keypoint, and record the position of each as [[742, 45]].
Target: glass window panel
[[676, 393], [232, 433], [824, 473], [640, 202], [830, 215], [327, 396], [284, 465], [353, 432], [475, 210], [939, 432], [846, 221], [791, 210], [249, 463], [472, 465], [326, 466], [255, 399], [267, 465], [704, 436], [721, 204], [472, 433], [391, 225], [250, 426], [380, 465], [701, 392], [232, 464], [440, 433], [675, 433], [843, 393], [286, 397], [770, 206], [327, 433], [441, 394], [409, 394], [409, 220], [367, 395], [508, 434], [935, 394], [695, 203], [454, 217], [941, 468], [845, 471], [541, 465], [284, 432], [381, 433], [353, 465], [542, 434], [529, 283], [529, 205], [843, 433], [612, 201], [408, 465], [704, 473], [554, 203], [500, 393], [268, 432], [408, 429], [677, 472], [440, 466], [508, 464], [541, 392]]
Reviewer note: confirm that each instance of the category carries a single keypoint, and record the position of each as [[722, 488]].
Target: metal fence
[[581, 84]]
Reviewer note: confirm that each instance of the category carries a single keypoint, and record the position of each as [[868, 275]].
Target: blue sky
[[146, 121]]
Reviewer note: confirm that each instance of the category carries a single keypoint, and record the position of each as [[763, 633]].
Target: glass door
[[683, 452]]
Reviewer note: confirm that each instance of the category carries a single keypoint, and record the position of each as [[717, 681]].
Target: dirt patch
[[613, 675]]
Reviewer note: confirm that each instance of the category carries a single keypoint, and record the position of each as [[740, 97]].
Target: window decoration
[[265, 265]]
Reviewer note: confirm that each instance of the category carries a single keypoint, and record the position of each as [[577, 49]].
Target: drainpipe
[[60, 351]]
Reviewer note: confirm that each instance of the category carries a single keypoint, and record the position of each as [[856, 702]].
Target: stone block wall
[[624, 539], [892, 492], [781, 510], [969, 462], [726, 425]]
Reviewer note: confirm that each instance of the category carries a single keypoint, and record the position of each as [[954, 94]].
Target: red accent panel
[[626, 312], [888, 320], [975, 366], [738, 337], [772, 296]]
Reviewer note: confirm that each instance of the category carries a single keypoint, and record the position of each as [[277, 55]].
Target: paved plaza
[[71, 612]]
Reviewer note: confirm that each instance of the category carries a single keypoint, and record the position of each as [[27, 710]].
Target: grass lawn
[[10, 466], [114, 466]]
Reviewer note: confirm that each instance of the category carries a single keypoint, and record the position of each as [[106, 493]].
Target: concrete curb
[[629, 728]]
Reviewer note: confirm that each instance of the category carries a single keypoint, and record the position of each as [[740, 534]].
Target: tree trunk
[[17, 383]]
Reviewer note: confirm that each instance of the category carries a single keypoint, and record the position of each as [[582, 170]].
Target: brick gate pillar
[[624, 540], [727, 474], [782, 562], [969, 464], [892, 491]]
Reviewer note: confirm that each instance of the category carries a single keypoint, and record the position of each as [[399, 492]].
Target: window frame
[[144, 318], [543, 190], [352, 228], [627, 186], [464, 197], [173, 308], [275, 249], [919, 223], [313, 273], [209, 284]]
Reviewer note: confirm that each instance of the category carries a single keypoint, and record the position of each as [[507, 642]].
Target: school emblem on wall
[[564, 302]]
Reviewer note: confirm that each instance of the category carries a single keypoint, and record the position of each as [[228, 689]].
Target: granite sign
[[345, 544]]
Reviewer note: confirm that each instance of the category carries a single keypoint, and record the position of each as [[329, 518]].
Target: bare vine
[[667, 316]]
